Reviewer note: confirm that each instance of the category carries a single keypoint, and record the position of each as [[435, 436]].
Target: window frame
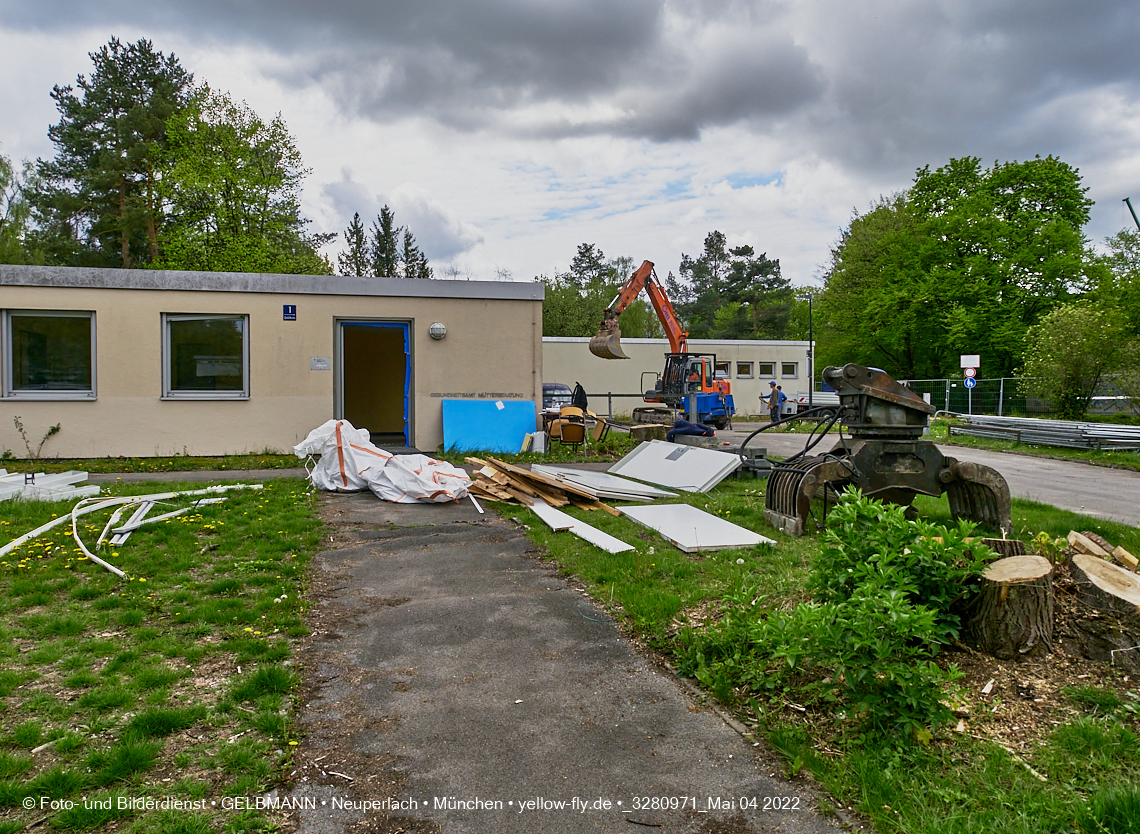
[[7, 356], [751, 369], [167, 358], [795, 374], [760, 370]]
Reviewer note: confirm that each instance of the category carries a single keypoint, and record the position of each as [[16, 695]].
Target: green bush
[[886, 599]]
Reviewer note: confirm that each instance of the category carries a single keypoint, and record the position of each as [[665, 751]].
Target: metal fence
[[1002, 397], [1005, 397]]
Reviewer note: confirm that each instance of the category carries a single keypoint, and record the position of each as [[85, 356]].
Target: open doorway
[[375, 379]]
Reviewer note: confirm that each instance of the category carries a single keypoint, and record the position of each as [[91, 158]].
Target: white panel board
[[688, 468], [693, 530], [559, 520]]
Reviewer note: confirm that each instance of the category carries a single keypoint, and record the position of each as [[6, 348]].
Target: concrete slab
[[463, 686]]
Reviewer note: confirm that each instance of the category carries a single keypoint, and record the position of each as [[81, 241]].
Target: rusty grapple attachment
[[886, 459], [607, 342]]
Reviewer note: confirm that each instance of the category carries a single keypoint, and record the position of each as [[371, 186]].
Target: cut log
[[1108, 627], [1013, 615], [1125, 558], [648, 431], [1083, 544]]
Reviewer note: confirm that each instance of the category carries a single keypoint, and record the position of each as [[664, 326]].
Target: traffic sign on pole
[[970, 372], [970, 382]]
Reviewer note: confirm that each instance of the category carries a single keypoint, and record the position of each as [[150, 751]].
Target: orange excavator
[[689, 381]]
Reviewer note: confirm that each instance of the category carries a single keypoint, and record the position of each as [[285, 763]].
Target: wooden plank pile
[[496, 480]]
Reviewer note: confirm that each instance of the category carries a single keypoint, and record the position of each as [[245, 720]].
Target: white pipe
[[105, 503], [132, 525]]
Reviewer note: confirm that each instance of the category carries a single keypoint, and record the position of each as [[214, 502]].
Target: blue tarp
[[489, 425]]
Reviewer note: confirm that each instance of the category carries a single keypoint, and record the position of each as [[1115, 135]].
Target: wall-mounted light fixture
[[437, 331]]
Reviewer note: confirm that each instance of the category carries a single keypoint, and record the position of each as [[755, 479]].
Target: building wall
[[569, 360], [492, 350]]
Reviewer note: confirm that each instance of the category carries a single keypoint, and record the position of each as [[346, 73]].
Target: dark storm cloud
[[874, 85], [469, 64]]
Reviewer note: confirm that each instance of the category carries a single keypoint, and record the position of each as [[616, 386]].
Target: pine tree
[[414, 262], [385, 245], [355, 259], [100, 200]]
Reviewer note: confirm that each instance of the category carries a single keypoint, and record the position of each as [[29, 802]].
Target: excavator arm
[[607, 342]]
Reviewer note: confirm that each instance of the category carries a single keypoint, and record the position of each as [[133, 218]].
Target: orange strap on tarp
[[340, 456]]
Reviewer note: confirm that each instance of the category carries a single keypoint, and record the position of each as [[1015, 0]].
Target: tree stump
[[1006, 547], [1013, 615], [648, 431], [1108, 623]]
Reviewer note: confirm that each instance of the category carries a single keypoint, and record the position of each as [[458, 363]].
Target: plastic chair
[[572, 426]]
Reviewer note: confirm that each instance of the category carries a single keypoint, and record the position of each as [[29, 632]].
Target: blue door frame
[[405, 328]]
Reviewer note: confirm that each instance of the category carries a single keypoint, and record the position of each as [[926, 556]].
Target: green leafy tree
[[101, 197], [15, 211], [731, 293], [234, 185], [355, 259], [1120, 282], [964, 262], [1072, 349], [575, 300], [878, 308]]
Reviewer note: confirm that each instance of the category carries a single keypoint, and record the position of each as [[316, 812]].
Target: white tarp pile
[[350, 463]]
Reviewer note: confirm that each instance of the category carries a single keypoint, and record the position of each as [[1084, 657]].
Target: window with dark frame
[[205, 356], [49, 354]]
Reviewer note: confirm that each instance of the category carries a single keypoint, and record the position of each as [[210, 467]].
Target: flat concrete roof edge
[[162, 279], [692, 342]]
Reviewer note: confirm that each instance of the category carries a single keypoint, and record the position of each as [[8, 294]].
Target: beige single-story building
[[749, 365], [151, 362]]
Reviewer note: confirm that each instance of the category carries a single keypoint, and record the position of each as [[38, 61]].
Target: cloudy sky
[[506, 132]]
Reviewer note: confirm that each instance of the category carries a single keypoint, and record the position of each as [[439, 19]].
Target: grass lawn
[[179, 463], [610, 449], [175, 682], [959, 781]]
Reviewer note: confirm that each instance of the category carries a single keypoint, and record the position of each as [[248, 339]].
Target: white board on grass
[[689, 468], [693, 530], [559, 520]]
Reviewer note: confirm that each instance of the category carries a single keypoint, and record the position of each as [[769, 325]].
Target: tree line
[[967, 260], [988, 261], [154, 170], [722, 293]]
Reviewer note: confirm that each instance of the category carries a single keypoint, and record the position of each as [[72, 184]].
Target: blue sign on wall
[[289, 312]]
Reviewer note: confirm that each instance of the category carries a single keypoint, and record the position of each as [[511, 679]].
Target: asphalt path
[[1098, 491], [453, 673]]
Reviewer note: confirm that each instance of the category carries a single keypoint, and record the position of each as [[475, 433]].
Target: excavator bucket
[[607, 343]]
